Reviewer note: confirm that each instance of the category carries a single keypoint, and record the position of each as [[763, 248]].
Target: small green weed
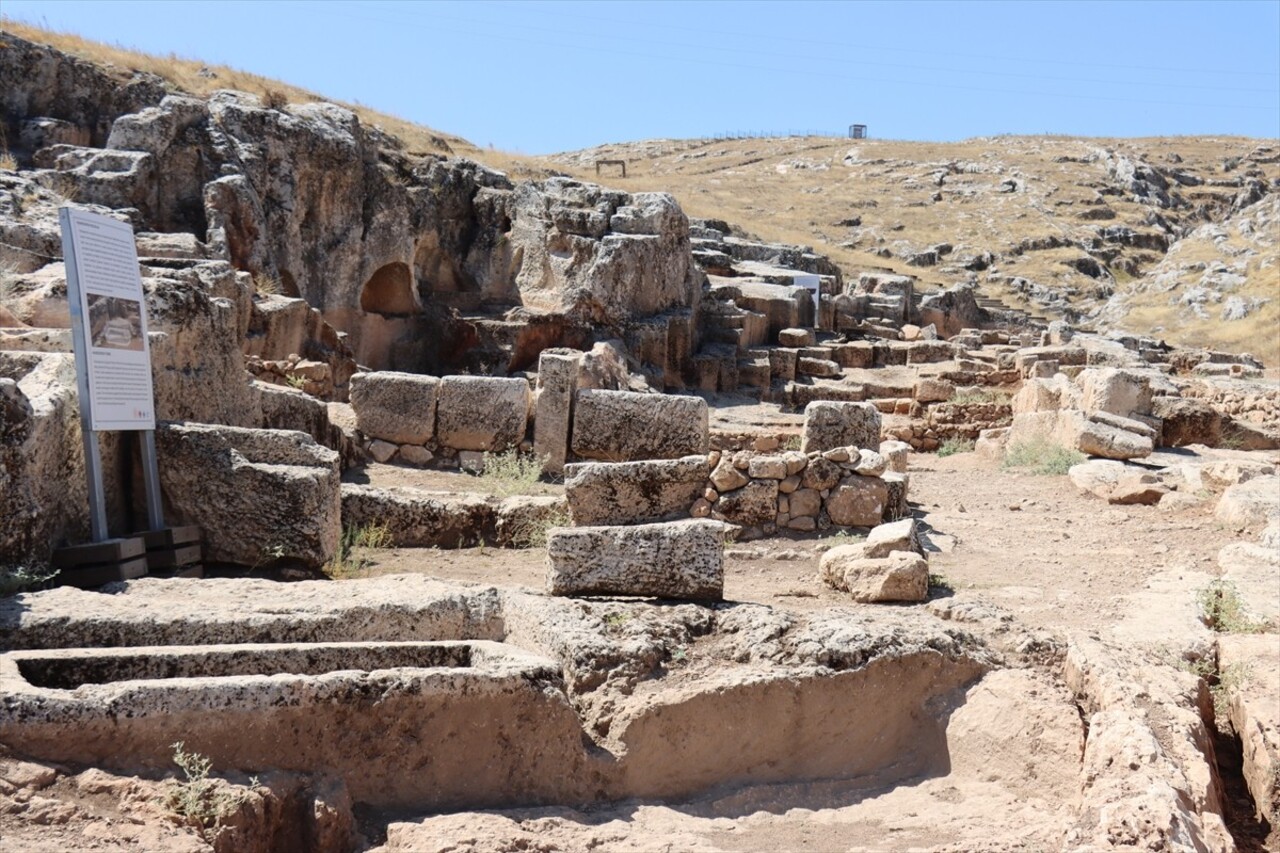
[[792, 443], [345, 564], [978, 398], [937, 581], [196, 801], [844, 537], [296, 381], [1041, 456], [1223, 610], [532, 532], [954, 445], [16, 579], [511, 472], [615, 621]]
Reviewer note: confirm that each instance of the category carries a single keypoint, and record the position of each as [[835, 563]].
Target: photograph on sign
[[115, 323], [109, 321]]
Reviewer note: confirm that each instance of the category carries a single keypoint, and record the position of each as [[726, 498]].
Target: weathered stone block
[[934, 390], [1252, 503], [767, 467], [858, 502], [829, 424], [679, 559], [484, 413], [796, 338], [900, 576], [620, 426], [754, 504], [634, 492], [258, 494], [557, 380], [395, 407], [1118, 391], [896, 453]]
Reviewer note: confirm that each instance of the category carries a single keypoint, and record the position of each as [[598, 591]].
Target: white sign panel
[[109, 321]]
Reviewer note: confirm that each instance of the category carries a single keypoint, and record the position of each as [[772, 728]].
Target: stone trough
[[404, 723]]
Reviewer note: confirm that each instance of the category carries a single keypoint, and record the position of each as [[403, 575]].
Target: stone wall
[[452, 420], [762, 493]]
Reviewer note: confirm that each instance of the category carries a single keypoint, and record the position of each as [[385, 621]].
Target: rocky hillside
[[1177, 237], [1173, 237]]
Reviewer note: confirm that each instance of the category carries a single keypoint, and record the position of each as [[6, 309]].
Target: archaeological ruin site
[[517, 509]]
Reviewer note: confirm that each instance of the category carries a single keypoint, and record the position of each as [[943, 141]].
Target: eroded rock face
[[259, 495], [42, 486], [678, 559]]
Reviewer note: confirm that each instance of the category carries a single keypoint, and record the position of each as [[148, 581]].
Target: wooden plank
[[97, 553]]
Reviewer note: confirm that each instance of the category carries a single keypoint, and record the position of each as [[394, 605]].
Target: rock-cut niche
[[389, 291]]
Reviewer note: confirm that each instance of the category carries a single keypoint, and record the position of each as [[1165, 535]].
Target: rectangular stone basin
[[446, 724], [69, 669]]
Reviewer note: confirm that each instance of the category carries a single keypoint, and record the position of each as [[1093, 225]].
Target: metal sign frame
[[80, 344]]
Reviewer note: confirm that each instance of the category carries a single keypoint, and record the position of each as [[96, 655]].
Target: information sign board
[[109, 321]]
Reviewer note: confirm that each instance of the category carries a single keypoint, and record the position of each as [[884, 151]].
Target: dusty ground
[[1034, 545]]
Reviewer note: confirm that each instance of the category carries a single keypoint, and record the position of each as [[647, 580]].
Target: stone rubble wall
[[761, 493]]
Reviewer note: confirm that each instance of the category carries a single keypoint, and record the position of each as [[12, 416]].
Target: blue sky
[[540, 77]]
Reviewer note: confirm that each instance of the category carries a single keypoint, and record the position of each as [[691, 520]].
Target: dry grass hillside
[[1149, 235], [1062, 226]]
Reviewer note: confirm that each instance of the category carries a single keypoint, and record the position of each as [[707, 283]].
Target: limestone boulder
[[828, 425], [869, 463], [258, 495], [899, 576], [1253, 503], [858, 502], [679, 559], [1097, 476], [1114, 390], [481, 413], [1102, 438], [621, 426], [896, 453], [1187, 421], [601, 493], [1138, 488]]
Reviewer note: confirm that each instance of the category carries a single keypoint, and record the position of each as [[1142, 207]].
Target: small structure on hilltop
[[857, 131]]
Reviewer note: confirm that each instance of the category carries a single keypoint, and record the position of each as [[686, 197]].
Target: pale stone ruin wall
[[413, 419]]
